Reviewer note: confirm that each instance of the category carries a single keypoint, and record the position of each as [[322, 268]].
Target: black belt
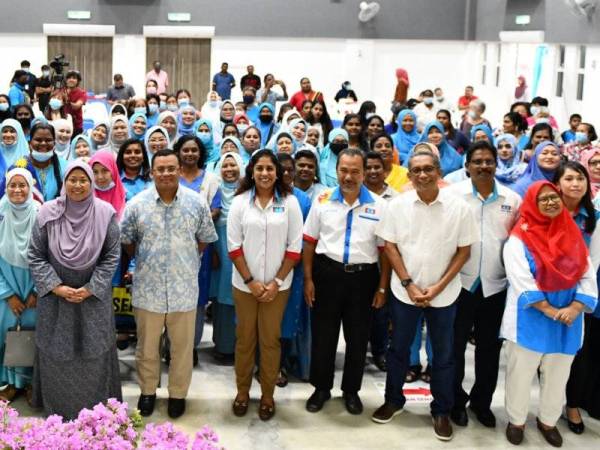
[[348, 268]]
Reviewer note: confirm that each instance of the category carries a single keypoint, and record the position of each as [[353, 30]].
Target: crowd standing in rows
[[292, 227]]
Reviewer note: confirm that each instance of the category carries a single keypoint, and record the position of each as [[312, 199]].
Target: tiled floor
[[212, 391]]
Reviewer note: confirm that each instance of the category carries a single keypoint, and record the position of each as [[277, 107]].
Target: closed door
[[187, 61], [92, 56]]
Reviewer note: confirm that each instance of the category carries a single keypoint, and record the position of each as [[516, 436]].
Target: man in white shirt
[[342, 281], [480, 304], [428, 234]]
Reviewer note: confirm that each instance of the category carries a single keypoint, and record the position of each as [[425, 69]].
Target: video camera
[[58, 64]]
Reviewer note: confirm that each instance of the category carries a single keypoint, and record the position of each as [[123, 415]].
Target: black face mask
[[337, 147], [266, 119], [25, 122]]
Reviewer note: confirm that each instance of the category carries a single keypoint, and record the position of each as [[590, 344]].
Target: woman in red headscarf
[[107, 182], [551, 282], [402, 87]]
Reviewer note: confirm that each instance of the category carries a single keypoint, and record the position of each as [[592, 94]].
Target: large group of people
[[284, 227]]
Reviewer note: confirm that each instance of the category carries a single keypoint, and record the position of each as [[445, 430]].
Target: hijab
[[149, 133], [17, 223], [557, 245], [76, 230], [132, 119], [534, 172], [293, 123], [235, 141], [183, 129], [17, 150], [268, 129], [482, 127], [161, 117], [510, 170], [72, 153], [450, 160], [288, 135], [102, 145], [212, 151], [404, 141], [62, 149], [226, 121], [211, 111], [328, 159], [228, 189], [586, 156], [123, 109], [520, 89], [115, 145], [116, 194]]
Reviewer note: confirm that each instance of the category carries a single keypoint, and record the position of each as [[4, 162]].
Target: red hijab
[[116, 195], [557, 245]]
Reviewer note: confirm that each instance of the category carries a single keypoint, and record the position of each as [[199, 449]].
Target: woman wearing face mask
[[171, 103], [241, 121], [510, 166], [5, 112], [151, 87], [542, 166], [540, 113], [396, 176], [157, 138], [407, 136], [13, 144], [268, 128], [338, 141], [211, 109], [583, 386], [49, 167], [63, 130], [250, 142], [56, 107], [184, 98], [24, 115], [137, 105], [81, 148], [119, 133], [118, 109], [18, 298], [450, 160], [185, 120], [107, 182], [138, 124], [319, 118], [134, 167], [230, 166], [425, 110], [353, 127], [455, 137], [551, 282], [168, 121], [474, 117], [584, 141], [539, 133], [99, 136], [153, 102], [204, 131]]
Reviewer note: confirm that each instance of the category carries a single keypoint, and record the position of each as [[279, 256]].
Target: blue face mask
[[162, 106], [183, 101], [153, 108], [204, 136], [581, 137], [41, 156], [107, 188], [3, 107], [139, 109], [55, 104], [428, 100], [172, 108]]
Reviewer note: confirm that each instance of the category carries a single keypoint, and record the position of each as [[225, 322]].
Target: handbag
[[19, 346]]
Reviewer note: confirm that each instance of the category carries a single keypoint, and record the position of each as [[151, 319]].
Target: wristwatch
[[381, 290], [406, 282], [249, 280], [278, 281]]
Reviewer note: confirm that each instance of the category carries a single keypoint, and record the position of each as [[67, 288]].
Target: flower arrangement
[[105, 426]]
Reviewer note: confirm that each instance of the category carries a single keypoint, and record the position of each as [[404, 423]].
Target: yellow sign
[[122, 301]]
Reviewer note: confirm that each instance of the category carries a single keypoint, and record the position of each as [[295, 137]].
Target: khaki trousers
[[150, 325], [521, 368], [258, 323]]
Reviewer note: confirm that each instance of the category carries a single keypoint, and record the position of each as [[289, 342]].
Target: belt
[[348, 268]]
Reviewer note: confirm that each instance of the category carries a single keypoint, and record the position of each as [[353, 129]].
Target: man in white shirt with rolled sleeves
[[428, 234]]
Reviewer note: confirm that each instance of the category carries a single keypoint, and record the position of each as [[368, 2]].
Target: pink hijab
[[586, 155], [116, 195], [402, 74], [520, 89]]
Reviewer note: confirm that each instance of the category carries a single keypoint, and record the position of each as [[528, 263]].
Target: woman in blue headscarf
[[338, 141], [450, 160], [13, 143], [18, 299], [204, 131], [509, 168], [186, 121], [481, 132], [542, 166], [407, 136], [81, 147], [138, 124], [266, 123]]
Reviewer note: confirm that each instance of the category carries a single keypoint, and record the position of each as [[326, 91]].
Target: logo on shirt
[[325, 196], [506, 208], [278, 209], [370, 211]]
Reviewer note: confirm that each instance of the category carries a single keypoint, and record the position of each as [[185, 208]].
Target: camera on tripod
[[58, 64]]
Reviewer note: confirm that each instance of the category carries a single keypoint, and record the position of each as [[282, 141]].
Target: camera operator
[[43, 88], [76, 99]]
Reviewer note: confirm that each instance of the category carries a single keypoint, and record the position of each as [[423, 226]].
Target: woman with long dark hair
[[455, 137], [134, 167], [319, 118]]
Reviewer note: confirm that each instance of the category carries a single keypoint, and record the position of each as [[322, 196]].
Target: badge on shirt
[[506, 208], [278, 209], [370, 211]]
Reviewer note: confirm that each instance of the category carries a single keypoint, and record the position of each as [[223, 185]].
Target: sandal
[[413, 374], [426, 375], [266, 411], [282, 380], [240, 407]]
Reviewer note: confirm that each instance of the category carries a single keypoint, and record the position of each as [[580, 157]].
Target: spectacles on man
[[427, 169], [483, 162]]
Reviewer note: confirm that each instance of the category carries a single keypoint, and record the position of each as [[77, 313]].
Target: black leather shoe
[[577, 428], [484, 416], [552, 435], [353, 403], [380, 362], [459, 416], [146, 404], [316, 401], [176, 407], [514, 434]]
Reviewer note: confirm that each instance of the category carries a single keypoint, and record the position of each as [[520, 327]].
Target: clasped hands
[[72, 295], [422, 298], [566, 315], [17, 306], [264, 292]]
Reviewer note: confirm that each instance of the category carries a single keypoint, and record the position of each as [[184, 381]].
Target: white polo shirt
[[264, 236], [495, 217], [427, 237], [343, 232]]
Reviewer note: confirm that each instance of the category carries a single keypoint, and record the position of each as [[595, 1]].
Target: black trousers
[[484, 315], [340, 299]]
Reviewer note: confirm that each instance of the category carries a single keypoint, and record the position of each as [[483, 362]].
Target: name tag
[[506, 208], [373, 218], [278, 209]]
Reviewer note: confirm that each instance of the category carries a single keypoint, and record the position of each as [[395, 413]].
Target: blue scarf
[[17, 150], [510, 170], [403, 141], [450, 160], [132, 119], [534, 172]]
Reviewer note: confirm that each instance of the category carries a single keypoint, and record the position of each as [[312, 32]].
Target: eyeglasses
[[553, 198], [594, 163], [483, 162], [427, 169]]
